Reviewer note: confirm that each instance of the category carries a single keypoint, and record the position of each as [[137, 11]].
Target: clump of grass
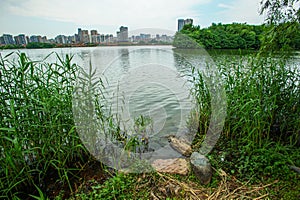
[[261, 134], [262, 100], [38, 140], [120, 186]]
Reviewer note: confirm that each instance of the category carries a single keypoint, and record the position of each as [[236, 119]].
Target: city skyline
[[86, 37], [51, 18]]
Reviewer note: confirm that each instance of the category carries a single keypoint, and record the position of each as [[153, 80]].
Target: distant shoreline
[[49, 45]]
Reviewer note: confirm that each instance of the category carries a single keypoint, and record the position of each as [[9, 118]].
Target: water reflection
[[148, 82], [124, 59]]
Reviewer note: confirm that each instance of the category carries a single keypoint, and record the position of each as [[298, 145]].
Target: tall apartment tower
[[122, 35], [7, 39], [83, 36], [95, 36], [79, 35], [20, 39], [182, 22]]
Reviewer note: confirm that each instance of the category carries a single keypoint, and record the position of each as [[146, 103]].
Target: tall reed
[[38, 139], [263, 100]]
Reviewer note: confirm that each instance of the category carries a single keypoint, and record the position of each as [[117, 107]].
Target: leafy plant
[[120, 186]]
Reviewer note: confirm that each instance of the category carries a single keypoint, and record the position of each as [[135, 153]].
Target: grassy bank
[[39, 146], [261, 137], [41, 154]]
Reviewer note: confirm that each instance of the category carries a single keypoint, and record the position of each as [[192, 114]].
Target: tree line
[[238, 36], [31, 45]]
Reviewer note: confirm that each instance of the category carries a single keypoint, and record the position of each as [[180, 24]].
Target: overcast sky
[[54, 17]]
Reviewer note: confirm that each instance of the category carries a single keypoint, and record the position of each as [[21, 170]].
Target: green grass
[[262, 100], [261, 135], [38, 139], [120, 186]]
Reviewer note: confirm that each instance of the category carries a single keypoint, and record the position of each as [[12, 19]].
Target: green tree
[[38, 45], [184, 41], [241, 36], [283, 29], [280, 11]]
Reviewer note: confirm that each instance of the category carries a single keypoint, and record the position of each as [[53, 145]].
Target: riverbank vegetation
[[242, 36], [42, 155], [256, 157], [261, 137], [280, 32], [39, 147], [31, 45], [224, 36]]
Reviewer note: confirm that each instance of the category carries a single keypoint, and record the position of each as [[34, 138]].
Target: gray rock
[[201, 167]]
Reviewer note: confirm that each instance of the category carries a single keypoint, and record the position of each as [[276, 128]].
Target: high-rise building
[[145, 37], [79, 35], [61, 39], [71, 39], [83, 36], [7, 39], [122, 35], [76, 36], [1, 40], [20, 39], [27, 39], [182, 22], [94, 32], [38, 38], [44, 39], [102, 38], [34, 38], [108, 38], [95, 37]]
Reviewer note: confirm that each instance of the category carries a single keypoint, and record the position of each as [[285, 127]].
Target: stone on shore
[[201, 167], [172, 166], [181, 146]]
